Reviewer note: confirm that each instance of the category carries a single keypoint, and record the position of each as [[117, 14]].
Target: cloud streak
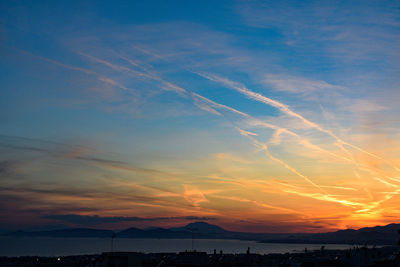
[[293, 84], [88, 220]]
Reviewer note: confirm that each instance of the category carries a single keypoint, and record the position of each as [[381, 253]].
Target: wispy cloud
[[351, 36], [101, 78], [362, 106], [294, 84], [89, 220], [194, 196]]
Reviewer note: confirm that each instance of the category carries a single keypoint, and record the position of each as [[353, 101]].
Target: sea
[[45, 246]]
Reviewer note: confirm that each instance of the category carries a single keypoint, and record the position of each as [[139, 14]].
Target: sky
[[257, 116]]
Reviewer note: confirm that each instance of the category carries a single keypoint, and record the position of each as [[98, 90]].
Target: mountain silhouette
[[367, 235], [201, 227], [378, 235]]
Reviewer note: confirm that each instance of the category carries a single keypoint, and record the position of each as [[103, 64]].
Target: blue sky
[[228, 103]]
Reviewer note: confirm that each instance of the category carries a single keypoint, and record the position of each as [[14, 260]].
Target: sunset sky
[[257, 116]]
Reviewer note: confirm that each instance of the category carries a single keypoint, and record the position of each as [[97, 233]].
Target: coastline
[[356, 256]]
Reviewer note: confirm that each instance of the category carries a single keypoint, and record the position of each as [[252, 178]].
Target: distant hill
[[196, 230], [379, 235], [201, 227], [387, 234]]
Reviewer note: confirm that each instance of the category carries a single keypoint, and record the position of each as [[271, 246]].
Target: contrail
[[394, 179], [255, 121], [218, 105], [265, 148], [258, 203], [376, 204], [328, 198], [303, 141], [113, 66], [75, 68], [319, 196], [282, 107], [112, 82], [210, 106], [285, 109], [166, 85], [87, 71], [386, 182], [197, 96], [274, 103]]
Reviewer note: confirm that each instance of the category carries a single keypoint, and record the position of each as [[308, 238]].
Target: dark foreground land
[[357, 256]]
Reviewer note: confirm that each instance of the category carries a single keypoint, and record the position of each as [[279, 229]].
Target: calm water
[[43, 246]]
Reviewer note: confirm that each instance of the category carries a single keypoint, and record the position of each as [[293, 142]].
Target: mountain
[[378, 235], [139, 233], [201, 227], [196, 229], [392, 228], [387, 234]]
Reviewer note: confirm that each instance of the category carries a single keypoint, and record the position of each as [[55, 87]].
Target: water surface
[[45, 246]]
